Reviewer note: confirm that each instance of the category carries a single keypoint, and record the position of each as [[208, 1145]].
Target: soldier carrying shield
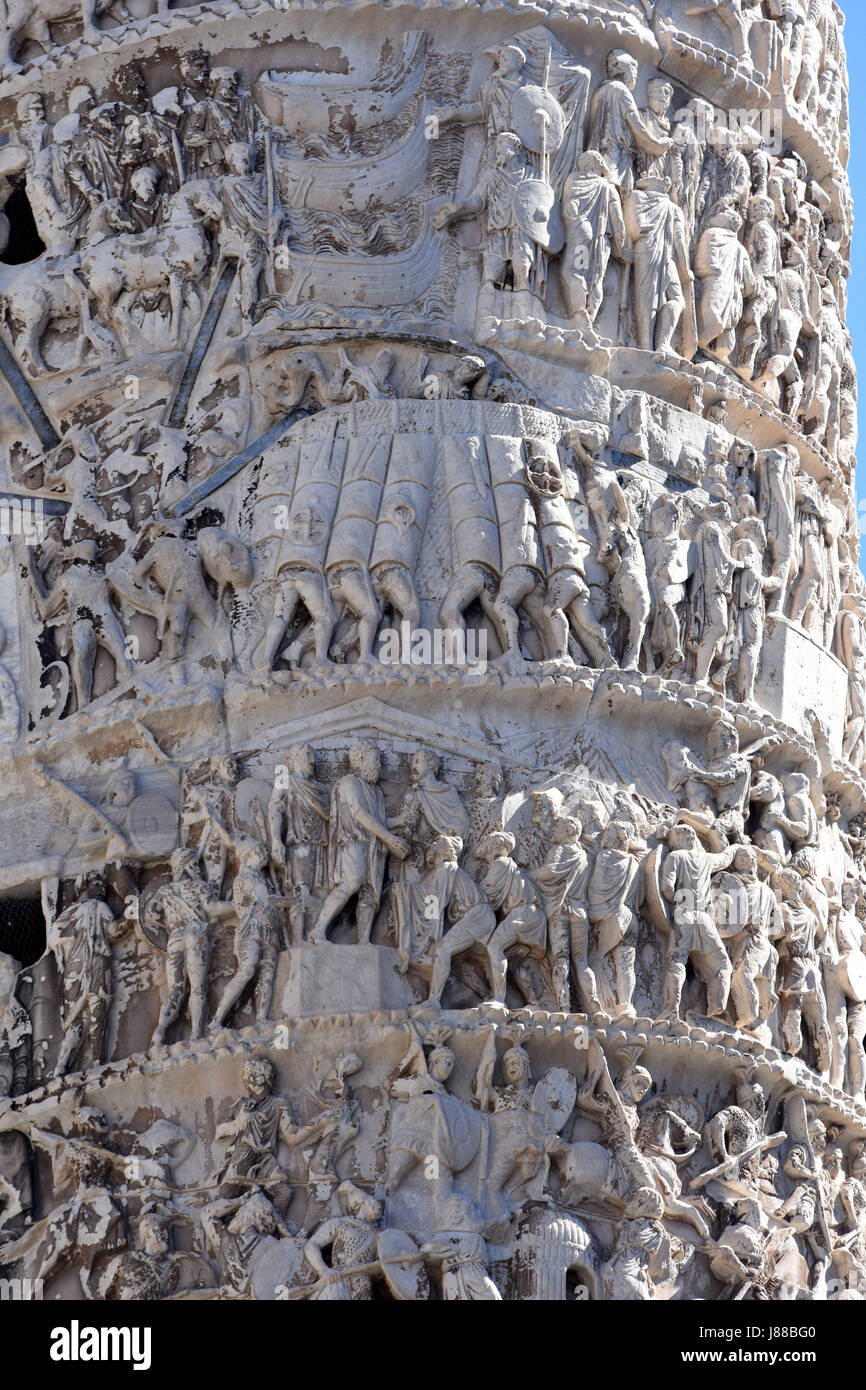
[[518, 209], [300, 566]]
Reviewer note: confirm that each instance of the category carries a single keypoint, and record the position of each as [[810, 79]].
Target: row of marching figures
[[360, 529], [726, 905], [564, 557]]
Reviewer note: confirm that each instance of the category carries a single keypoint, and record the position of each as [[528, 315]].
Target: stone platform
[[334, 979]]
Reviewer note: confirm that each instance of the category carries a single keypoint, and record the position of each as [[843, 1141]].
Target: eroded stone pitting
[[432, 703]]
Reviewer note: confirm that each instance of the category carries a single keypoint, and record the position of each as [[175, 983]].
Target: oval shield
[[459, 1132], [554, 1097], [538, 119], [275, 1263], [408, 1281], [536, 215]]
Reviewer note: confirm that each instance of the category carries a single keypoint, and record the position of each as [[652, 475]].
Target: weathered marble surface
[[432, 695]]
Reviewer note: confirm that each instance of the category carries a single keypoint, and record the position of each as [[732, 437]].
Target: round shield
[[690, 1111], [536, 216], [407, 1281], [278, 1263], [150, 924], [251, 806], [538, 119], [554, 1098], [852, 973], [151, 825], [544, 477]]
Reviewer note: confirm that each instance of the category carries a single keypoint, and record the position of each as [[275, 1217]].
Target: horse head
[[109, 219], [197, 201]]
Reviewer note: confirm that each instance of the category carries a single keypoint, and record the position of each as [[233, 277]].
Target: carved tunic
[[688, 875], [183, 906], [593, 216], [657, 228], [352, 850], [432, 809], [512, 893], [464, 1272], [563, 879], [257, 923], [641, 1256], [801, 945], [252, 1156], [726, 270], [85, 952], [612, 118], [306, 834], [468, 906], [612, 895]]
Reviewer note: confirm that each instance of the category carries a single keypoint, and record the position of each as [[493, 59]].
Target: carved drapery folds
[[434, 648]]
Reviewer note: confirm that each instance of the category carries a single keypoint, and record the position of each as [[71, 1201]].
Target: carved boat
[[398, 278], [305, 102], [351, 185]]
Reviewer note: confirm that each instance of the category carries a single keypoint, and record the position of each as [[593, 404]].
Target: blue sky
[[855, 41]]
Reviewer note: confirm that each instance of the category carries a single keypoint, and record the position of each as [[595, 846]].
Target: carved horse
[[172, 258], [588, 1170], [118, 264], [37, 294]]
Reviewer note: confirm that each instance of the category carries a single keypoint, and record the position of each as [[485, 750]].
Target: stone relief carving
[[433, 685]]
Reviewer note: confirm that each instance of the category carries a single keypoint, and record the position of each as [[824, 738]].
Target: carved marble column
[[432, 693]]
